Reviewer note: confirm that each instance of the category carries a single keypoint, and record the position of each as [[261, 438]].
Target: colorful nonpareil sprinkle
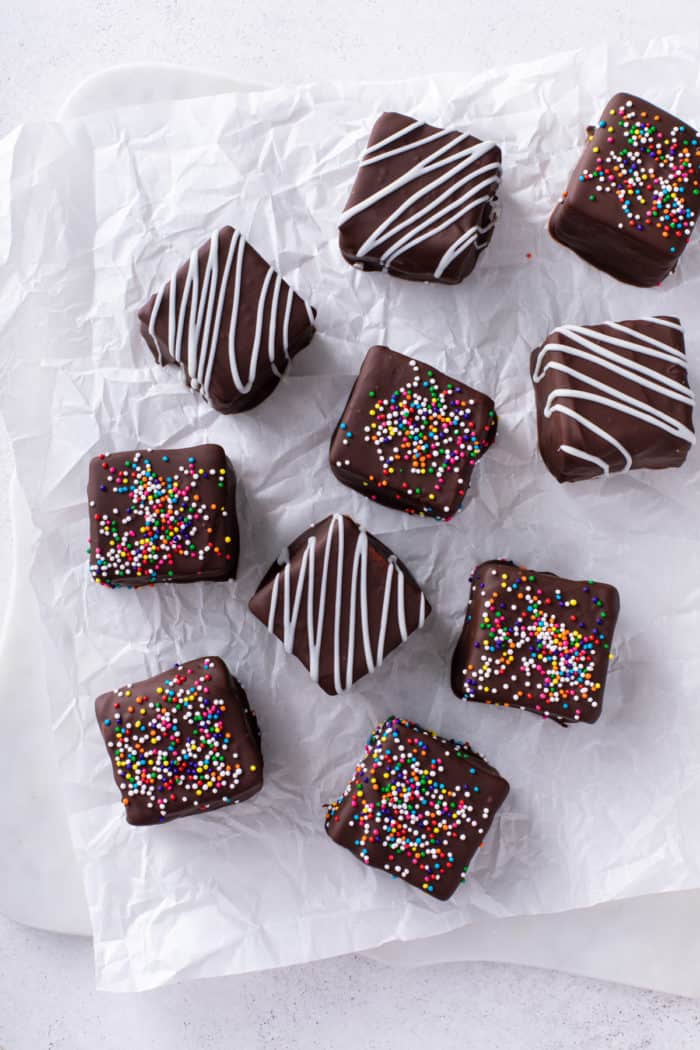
[[654, 173], [170, 746], [153, 521], [424, 433], [537, 642], [418, 806]]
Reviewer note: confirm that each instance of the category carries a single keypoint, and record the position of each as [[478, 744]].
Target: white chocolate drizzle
[[600, 349], [303, 594], [400, 235], [193, 337]]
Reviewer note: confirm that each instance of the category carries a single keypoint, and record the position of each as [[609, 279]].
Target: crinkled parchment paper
[[93, 216]]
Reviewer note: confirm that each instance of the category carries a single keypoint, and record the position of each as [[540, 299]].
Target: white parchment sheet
[[94, 214]]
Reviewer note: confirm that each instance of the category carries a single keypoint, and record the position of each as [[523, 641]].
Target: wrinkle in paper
[[95, 214]]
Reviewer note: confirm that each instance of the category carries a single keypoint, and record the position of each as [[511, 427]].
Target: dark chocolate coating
[[409, 436], [535, 641], [436, 212], [611, 391], [633, 198], [353, 627], [163, 516], [418, 807], [182, 742], [263, 323]]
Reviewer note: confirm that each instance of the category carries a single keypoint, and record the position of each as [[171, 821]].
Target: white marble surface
[[46, 988], [47, 1003], [46, 47]]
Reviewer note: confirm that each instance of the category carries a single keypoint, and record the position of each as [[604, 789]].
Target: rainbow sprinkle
[[173, 750], [424, 434], [535, 649], [414, 802], [654, 174], [165, 518]]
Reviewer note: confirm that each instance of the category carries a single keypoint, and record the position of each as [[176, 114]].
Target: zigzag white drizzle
[[401, 235], [587, 348], [201, 332], [315, 616]]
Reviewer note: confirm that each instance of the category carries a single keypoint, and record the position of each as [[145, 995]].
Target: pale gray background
[[46, 984]]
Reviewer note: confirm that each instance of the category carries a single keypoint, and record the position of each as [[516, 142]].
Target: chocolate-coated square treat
[[409, 436], [229, 321], [423, 202], [182, 742], [613, 397], [536, 641], [340, 601], [633, 198], [162, 516], [418, 807]]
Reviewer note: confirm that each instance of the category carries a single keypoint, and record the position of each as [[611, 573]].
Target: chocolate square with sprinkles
[[423, 202], [229, 321], [418, 807], [340, 601], [537, 642], [613, 397], [162, 516], [632, 201], [182, 742], [409, 436]]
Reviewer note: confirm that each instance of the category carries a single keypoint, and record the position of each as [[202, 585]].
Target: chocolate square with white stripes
[[613, 397], [230, 322], [422, 205], [340, 601]]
